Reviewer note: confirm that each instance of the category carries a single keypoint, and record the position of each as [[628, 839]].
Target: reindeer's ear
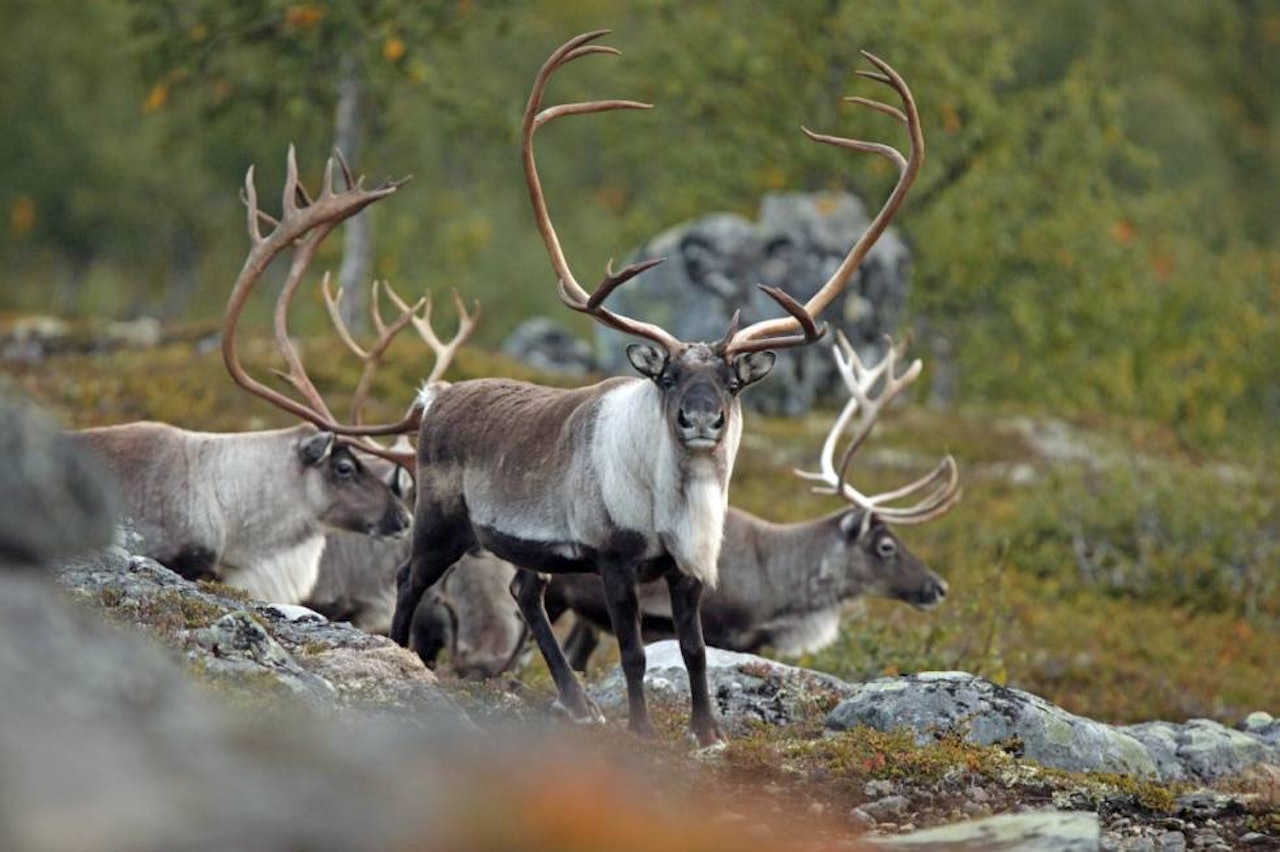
[[316, 448], [647, 359], [853, 524], [400, 481], [753, 366]]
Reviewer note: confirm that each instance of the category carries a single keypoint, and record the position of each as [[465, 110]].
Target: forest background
[[1094, 232]]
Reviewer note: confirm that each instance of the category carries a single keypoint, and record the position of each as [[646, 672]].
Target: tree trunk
[[357, 246]]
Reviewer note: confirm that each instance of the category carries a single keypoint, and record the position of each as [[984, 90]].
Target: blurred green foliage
[[1095, 229]]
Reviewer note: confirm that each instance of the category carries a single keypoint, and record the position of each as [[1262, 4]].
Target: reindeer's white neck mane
[[650, 482]]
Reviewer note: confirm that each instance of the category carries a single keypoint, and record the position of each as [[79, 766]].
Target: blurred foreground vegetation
[[1095, 228], [1095, 562]]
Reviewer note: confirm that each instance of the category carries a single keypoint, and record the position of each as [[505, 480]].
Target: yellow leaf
[[392, 49], [156, 98], [22, 215], [303, 16]]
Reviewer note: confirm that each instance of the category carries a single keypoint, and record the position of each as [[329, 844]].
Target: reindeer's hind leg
[[528, 588], [438, 541]]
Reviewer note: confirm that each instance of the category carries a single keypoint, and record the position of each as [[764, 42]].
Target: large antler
[[303, 225], [942, 483], [765, 334], [571, 292]]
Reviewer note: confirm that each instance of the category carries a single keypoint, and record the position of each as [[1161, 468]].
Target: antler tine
[[302, 226], [371, 358], [767, 331], [444, 351], [941, 483], [571, 293]]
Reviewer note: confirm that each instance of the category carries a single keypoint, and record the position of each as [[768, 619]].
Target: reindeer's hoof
[[709, 737], [643, 729], [586, 713]]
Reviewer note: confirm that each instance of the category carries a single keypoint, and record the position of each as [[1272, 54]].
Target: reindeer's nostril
[[719, 421], [682, 419]]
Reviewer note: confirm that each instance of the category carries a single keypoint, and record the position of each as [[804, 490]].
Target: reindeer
[[626, 478], [250, 509], [787, 585], [471, 615], [253, 508]]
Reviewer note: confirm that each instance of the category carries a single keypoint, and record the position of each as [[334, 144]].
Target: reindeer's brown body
[[252, 508], [551, 479]]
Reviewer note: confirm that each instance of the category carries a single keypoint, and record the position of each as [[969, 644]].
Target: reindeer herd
[[530, 502]]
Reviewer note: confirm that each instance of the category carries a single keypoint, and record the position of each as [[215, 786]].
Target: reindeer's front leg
[[686, 592], [622, 600], [528, 589]]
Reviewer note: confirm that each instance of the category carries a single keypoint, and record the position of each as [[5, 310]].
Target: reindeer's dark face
[[882, 565], [345, 493], [699, 388]]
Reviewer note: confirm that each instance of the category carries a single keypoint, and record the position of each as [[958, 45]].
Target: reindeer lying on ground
[[627, 478], [787, 585]]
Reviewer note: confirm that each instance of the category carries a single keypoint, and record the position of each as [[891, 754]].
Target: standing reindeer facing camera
[[627, 478], [787, 585]]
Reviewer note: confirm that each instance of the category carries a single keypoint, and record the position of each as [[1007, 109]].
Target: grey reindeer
[[627, 478]]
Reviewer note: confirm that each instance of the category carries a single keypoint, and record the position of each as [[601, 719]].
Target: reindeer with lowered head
[[787, 585], [627, 478], [253, 508]]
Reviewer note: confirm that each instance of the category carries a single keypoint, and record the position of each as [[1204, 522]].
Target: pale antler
[[444, 352], [372, 356], [571, 292], [764, 334], [942, 483], [303, 225]]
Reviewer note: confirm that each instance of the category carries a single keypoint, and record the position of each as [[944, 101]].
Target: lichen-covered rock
[[987, 714], [257, 648], [745, 688], [1040, 831], [1201, 749], [545, 345]]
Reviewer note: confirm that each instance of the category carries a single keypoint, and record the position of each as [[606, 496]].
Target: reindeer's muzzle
[[700, 423], [932, 592], [394, 522]]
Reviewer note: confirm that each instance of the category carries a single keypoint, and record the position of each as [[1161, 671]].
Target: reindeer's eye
[[886, 548], [666, 381], [344, 468]]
